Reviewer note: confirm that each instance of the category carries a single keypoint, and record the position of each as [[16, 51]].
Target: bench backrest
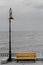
[[25, 54]]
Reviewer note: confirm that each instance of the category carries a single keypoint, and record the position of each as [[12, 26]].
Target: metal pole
[[9, 39], [10, 16]]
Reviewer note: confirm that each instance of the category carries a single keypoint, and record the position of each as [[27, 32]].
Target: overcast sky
[[28, 14]]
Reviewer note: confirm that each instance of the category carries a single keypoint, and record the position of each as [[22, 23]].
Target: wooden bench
[[30, 56]]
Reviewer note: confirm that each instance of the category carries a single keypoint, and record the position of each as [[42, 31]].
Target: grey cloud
[[34, 3], [39, 6], [27, 2]]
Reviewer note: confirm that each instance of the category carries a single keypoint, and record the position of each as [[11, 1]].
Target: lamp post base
[[9, 59], [4, 61]]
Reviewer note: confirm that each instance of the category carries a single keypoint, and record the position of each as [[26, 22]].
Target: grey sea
[[22, 41]]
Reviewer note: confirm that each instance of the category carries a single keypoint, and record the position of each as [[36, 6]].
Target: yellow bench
[[25, 56]]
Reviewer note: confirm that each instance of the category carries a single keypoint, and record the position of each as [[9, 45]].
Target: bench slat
[[26, 58]]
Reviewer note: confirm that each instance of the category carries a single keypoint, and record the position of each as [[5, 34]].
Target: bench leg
[[34, 61], [17, 61]]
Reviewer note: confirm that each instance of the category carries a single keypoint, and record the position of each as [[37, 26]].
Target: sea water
[[22, 41]]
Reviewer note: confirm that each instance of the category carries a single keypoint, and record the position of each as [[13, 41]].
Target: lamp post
[[10, 20]]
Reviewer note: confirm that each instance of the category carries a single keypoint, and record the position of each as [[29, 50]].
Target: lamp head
[[11, 19], [10, 15]]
